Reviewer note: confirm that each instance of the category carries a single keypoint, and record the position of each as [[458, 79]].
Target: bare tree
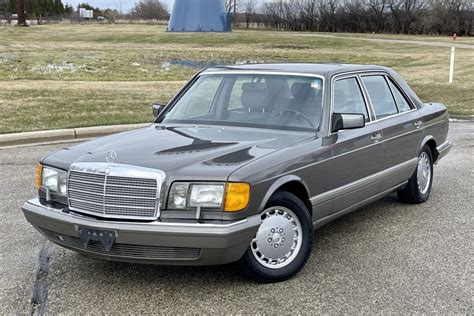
[[396, 16], [249, 10], [327, 11], [452, 16], [309, 15], [233, 6], [378, 14], [354, 16], [405, 14], [150, 9], [273, 14]]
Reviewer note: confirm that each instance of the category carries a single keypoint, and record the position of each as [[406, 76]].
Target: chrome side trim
[[401, 135], [357, 149], [322, 221], [355, 185], [433, 124]]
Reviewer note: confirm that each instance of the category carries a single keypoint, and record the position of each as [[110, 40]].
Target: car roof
[[304, 68]]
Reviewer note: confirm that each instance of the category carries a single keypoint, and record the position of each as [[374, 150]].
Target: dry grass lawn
[[57, 76]]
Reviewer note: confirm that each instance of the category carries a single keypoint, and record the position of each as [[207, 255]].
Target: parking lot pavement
[[386, 257]]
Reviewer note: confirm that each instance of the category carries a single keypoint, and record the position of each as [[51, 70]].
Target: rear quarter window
[[402, 102]]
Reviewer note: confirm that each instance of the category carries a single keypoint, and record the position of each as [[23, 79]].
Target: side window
[[348, 98], [402, 102], [380, 95]]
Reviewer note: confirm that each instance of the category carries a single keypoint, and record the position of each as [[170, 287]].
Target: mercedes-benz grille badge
[[111, 156]]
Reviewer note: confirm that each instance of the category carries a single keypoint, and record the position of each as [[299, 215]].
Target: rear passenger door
[[357, 153], [401, 126]]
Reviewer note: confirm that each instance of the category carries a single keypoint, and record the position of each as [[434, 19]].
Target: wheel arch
[[292, 184], [430, 141]]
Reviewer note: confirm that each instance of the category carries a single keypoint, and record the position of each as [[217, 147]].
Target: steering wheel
[[297, 114]]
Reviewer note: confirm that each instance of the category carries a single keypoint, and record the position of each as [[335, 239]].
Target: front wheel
[[283, 241], [419, 186]]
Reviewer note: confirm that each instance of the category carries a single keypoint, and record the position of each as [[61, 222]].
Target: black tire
[[412, 193], [258, 272]]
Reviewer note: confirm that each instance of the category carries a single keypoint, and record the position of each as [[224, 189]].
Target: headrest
[[303, 90], [254, 95]]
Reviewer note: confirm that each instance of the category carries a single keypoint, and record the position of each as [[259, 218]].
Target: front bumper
[[151, 242]]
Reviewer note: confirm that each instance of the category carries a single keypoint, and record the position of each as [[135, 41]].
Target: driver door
[[357, 153]]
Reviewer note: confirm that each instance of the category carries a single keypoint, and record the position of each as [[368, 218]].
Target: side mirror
[[157, 109], [347, 121]]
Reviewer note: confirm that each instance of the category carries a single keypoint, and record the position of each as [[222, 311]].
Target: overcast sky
[[124, 5], [120, 5]]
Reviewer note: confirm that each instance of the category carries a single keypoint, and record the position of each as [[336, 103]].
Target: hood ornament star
[[111, 156]]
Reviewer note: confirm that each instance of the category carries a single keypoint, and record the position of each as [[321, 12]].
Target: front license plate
[[106, 237]]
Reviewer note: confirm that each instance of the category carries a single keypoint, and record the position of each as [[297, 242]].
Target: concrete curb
[[59, 135]]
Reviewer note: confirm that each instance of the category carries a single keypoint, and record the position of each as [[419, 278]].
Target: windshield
[[288, 102]]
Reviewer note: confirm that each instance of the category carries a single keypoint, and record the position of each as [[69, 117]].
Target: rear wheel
[[419, 186], [283, 241]]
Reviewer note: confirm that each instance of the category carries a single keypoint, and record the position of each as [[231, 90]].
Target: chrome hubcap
[[279, 237], [423, 173]]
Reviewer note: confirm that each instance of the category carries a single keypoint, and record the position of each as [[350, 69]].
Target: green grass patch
[[44, 69], [40, 105]]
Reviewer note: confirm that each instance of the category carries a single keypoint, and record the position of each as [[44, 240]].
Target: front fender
[[278, 184]]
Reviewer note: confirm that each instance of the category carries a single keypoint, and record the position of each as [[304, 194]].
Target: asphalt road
[[386, 257]]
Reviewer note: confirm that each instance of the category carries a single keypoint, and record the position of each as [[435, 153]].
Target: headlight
[[54, 179], [228, 197], [206, 195], [178, 196]]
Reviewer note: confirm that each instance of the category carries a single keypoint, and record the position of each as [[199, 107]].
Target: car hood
[[194, 152]]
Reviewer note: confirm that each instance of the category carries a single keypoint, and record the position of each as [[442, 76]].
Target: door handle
[[418, 123], [376, 137]]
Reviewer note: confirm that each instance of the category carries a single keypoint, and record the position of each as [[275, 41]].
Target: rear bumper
[[443, 149], [155, 242]]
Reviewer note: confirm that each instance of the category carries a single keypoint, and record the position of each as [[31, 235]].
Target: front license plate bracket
[[106, 237]]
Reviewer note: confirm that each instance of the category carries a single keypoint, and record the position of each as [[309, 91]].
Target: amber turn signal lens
[[39, 170], [237, 196]]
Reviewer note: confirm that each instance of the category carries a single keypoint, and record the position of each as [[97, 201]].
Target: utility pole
[[21, 13]]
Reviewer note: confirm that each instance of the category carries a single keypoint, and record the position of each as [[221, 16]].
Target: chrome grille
[[114, 191], [131, 182]]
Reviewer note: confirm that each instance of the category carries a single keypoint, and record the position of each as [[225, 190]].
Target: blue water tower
[[199, 16]]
